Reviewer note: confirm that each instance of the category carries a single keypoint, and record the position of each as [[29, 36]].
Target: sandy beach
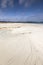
[[21, 44]]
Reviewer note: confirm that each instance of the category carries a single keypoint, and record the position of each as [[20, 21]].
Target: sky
[[21, 10]]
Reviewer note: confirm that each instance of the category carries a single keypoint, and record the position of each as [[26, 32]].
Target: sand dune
[[21, 44]]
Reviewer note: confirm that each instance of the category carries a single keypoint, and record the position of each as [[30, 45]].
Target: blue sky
[[21, 10]]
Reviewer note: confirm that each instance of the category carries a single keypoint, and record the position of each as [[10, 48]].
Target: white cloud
[[3, 3], [26, 2], [21, 1], [11, 3]]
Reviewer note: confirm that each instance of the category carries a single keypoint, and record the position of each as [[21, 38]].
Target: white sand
[[21, 44]]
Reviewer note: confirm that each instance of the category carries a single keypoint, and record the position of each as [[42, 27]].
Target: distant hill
[[20, 22]]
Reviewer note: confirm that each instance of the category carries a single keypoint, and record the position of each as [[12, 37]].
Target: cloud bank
[[11, 3]]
